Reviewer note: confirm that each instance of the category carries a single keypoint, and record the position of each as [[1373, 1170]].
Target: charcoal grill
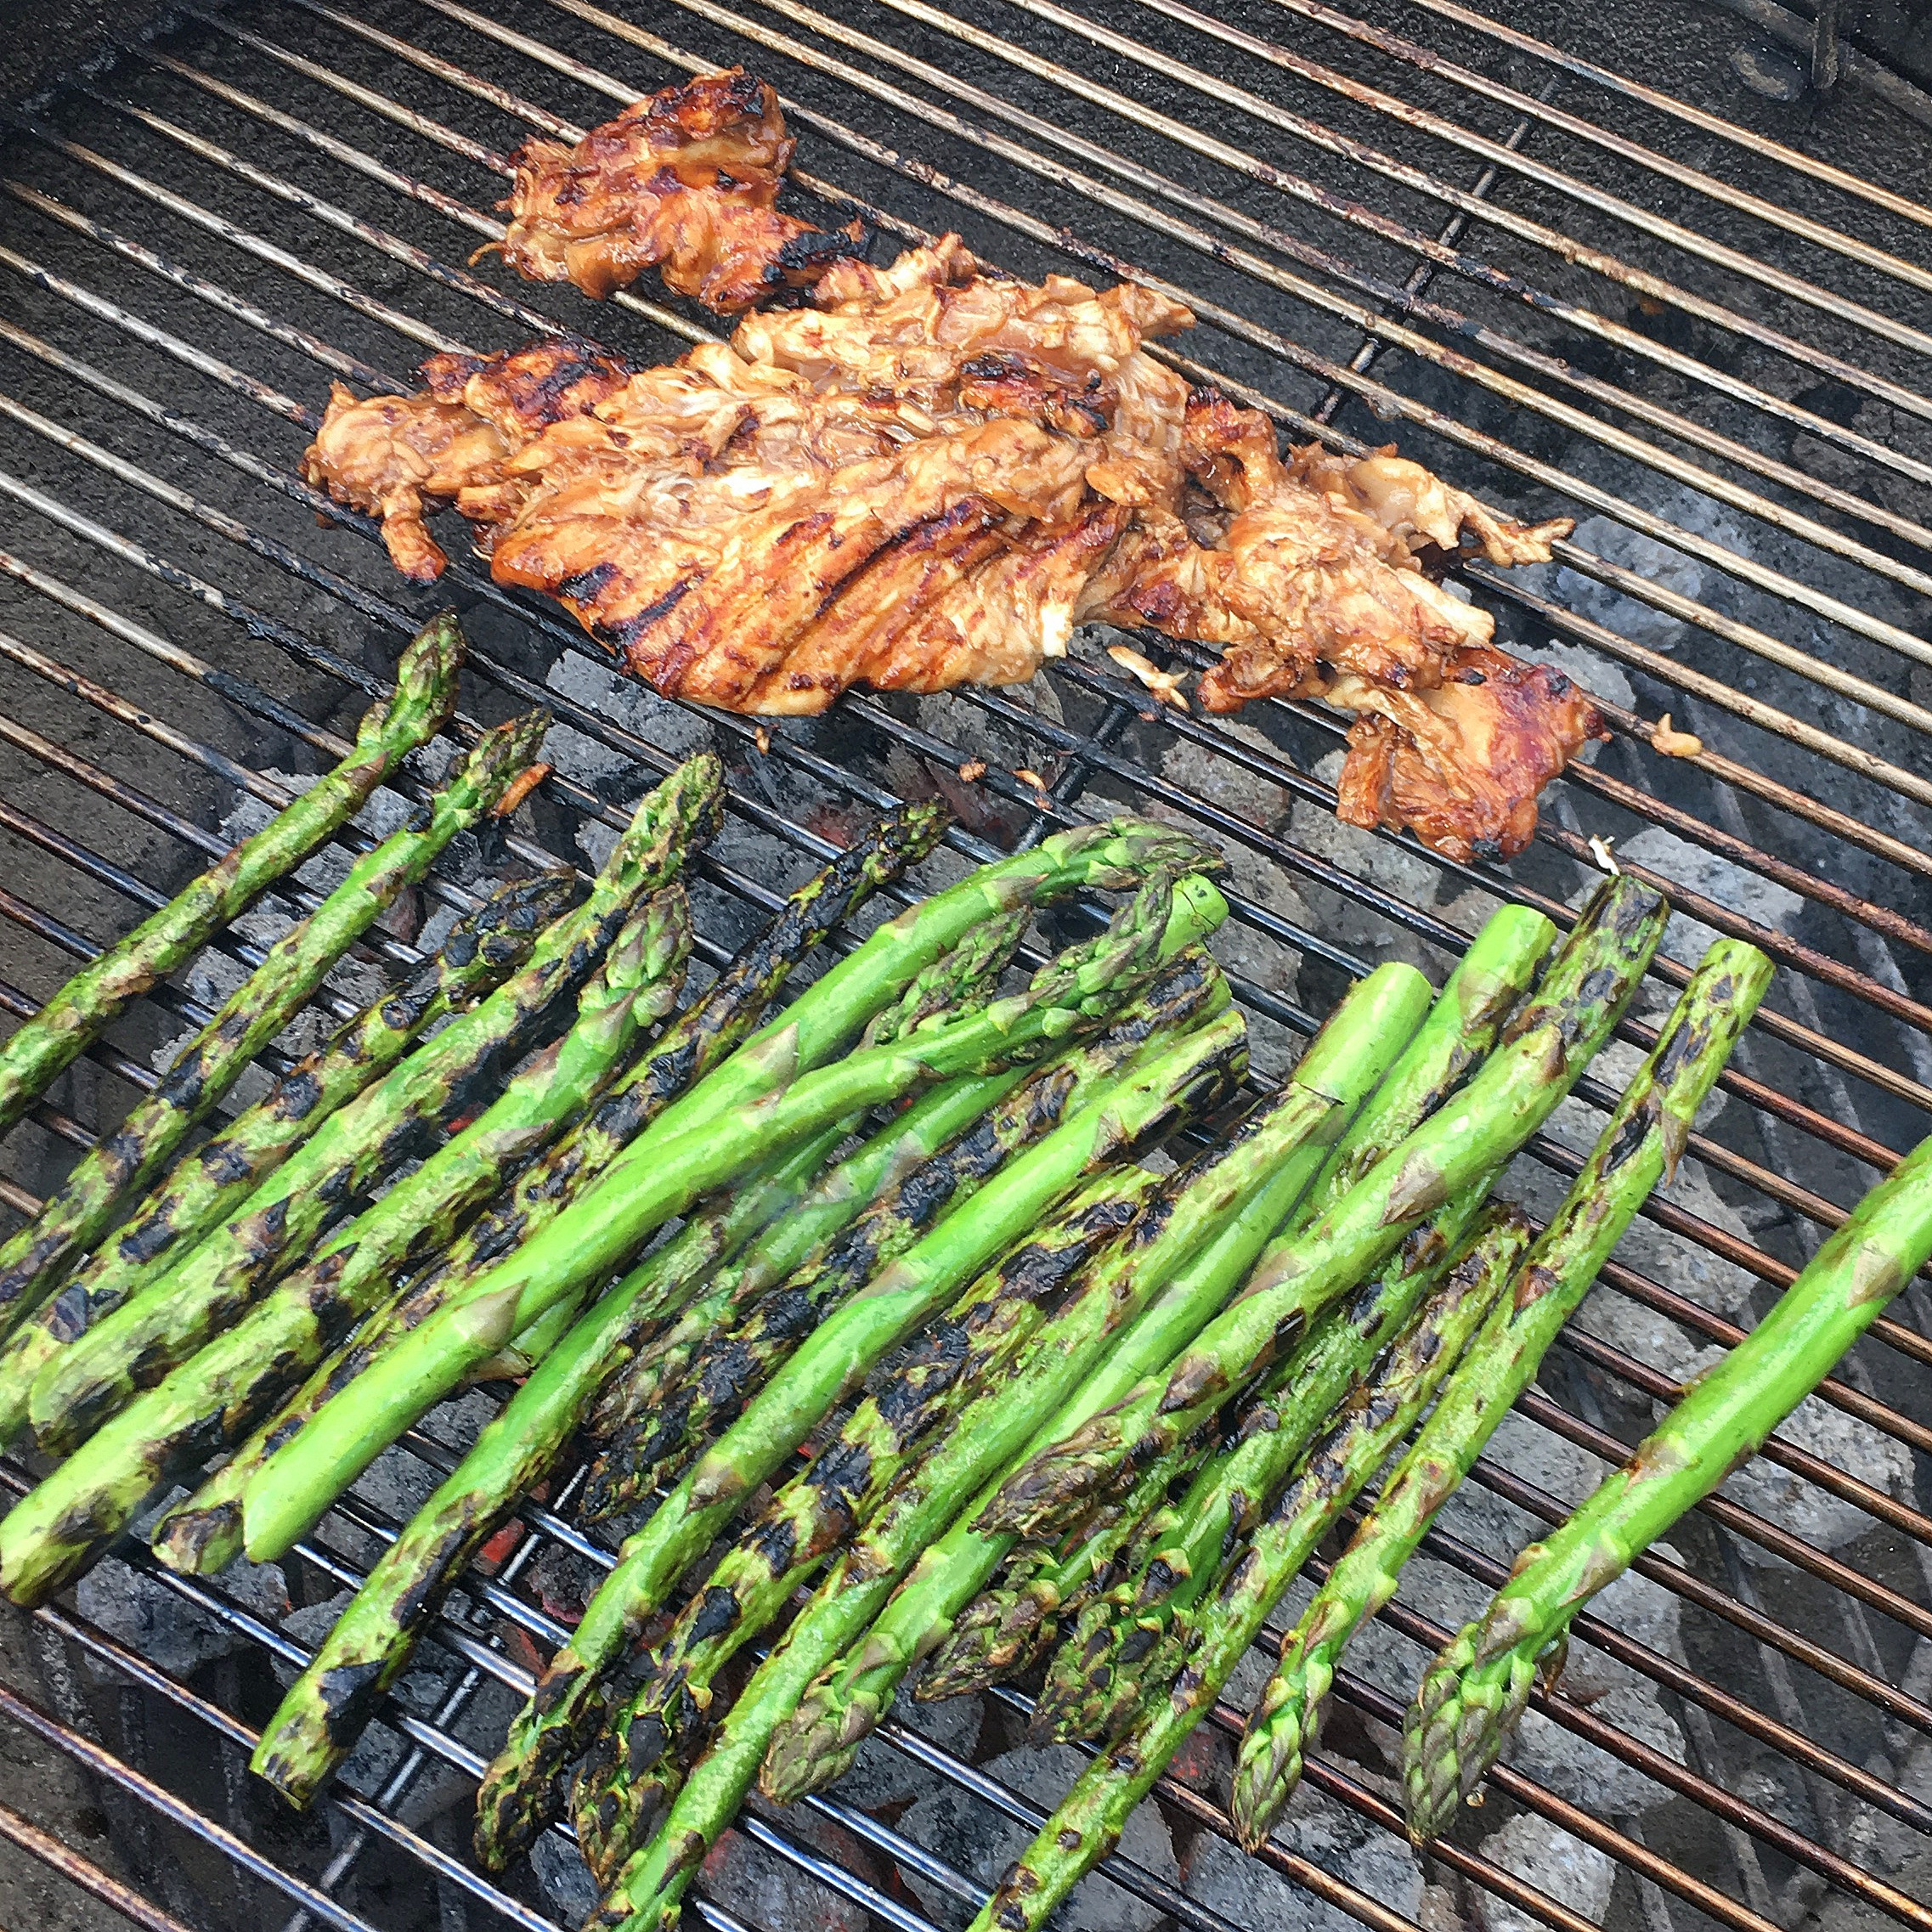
[[1581, 273]]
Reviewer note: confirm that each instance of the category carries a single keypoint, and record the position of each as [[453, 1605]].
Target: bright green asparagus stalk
[[1220, 1214], [1125, 1639], [1643, 1139], [660, 1177], [1088, 1824], [370, 1643], [647, 1891], [144, 1339], [207, 1528], [681, 1394], [637, 980], [1544, 1050], [1461, 1027], [1477, 1687], [213, 1400], [843, 1484], [422, 703], [84, 1208], [481, 951], [521, 1789]]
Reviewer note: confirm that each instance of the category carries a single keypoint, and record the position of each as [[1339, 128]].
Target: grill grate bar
[[1747, 139], [1645, 221], [1435, 253], [1727, 192]]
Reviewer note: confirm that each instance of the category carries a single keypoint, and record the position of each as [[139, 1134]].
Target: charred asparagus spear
[[663, 1174], [1379, 1412], [1017, 1619], [1125, 1639], [681, 1393], [162, 1325], [1542, 1051], [326, 1707], [1642, 1140], [1028, 1354], [811, 1515], [83, 1209], [422, 703], [1477, 1687], [1220, 1214], [218, 1507], [481, 951], [521, 1789], [212, 1400], [1461, 1027]]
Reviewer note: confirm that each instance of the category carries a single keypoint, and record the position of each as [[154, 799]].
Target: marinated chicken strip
[[683, 182], [1416, 507], [397, 456], [1460, 766]]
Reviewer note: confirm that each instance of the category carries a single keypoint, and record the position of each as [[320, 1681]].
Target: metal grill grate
[[1569, 290]]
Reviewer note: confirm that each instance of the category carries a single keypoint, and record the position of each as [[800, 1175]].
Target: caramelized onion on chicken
[[928, 475]]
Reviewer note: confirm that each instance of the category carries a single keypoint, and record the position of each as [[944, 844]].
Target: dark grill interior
[[1569, 287]]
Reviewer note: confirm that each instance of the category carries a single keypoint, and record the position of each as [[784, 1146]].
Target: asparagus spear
[[1461, 1026], [1219, 1216], [991, 1326], [1475, 1688], [647, 1891], [205, 1528], [840, 1487], [1014, 1622], [156, 1329], [1378, 1414], [659, 1177], [520, 1790], [481, 951], [421, 704], [1543, 1049], [674, 1400], [215, 1397], [326, 1708], [1642, 1140], [33, 1262], [1123, 1639]]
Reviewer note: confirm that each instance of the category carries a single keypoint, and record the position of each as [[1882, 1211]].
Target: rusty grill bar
[[1428, 218]]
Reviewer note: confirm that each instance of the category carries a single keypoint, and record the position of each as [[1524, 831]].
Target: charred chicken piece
[[398, 456], [683, 182], [1460, 766]]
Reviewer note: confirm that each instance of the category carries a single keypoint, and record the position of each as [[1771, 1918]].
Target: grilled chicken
[[395, 456], [928, 476], [683, 182]]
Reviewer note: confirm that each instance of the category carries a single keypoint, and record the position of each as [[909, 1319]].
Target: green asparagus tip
[[426, 674]]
